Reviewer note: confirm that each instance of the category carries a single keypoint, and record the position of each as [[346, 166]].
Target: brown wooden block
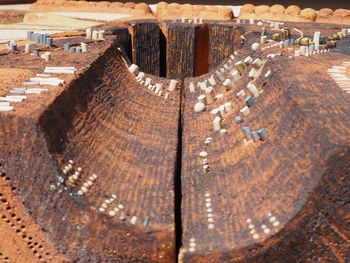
[[101, 120], [222, 41], [145, 45], [180, 50]]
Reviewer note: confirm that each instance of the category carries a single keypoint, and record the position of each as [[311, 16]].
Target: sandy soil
[[97, 7], [57, 20], [11, 77], [11, 16], [21, 240], [170, 11]]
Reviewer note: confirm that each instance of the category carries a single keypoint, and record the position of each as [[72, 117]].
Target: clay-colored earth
[[277, 9], [174, 10], [56, 20], [308, 14], [21, 239], [325, 12], [247, 9], [293, 13], [339, 16], [262, 9], [137, 11], [11, 16], [293, 10], [278, 12], [11, 77]]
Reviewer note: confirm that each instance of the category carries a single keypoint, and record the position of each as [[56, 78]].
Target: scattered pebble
[[203, 154], [276, 223], [199, 107], [223, 131], [122, 217], [111, 213], [219, 96], [267, 231]]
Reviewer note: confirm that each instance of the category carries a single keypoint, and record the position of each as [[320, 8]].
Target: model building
[[174, 133]]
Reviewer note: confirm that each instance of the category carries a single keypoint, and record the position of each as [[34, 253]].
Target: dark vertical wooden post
[[223, 41], [145, 45], [124, 39], [180, 50]]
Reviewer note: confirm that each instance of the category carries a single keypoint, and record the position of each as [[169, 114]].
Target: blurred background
[[302, 3]]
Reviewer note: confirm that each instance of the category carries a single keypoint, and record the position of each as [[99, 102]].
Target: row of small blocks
[[74, 177], [122, 217]]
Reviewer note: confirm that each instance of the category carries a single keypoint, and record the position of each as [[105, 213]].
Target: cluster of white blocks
[[254, 73], [39, 80], [190, 21], [218, 114], [250, 21], [60, 70], [94, 34], [240, 68], [265, 228], [106, 203], [148, 82], [209, 207], [192, 245], [213, 79], [338, 73], [87, 185], [263, 40]]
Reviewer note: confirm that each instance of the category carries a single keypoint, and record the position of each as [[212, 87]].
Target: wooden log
[[145, 45], [101, 120], [180, 50], [223, 41], [123, 37]]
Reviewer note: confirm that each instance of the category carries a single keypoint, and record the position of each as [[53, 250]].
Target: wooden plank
[[222, 42], [180, 50], [145, 45]]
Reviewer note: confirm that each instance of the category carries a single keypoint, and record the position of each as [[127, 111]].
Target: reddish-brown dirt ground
[[13, 77], [21, 239]]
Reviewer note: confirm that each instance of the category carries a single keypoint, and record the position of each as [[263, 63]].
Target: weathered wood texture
[[180, 50], [123, 38], [193, 50], [145, 45], [101, 120], [21, 239], [299, 176], [223, 41]]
